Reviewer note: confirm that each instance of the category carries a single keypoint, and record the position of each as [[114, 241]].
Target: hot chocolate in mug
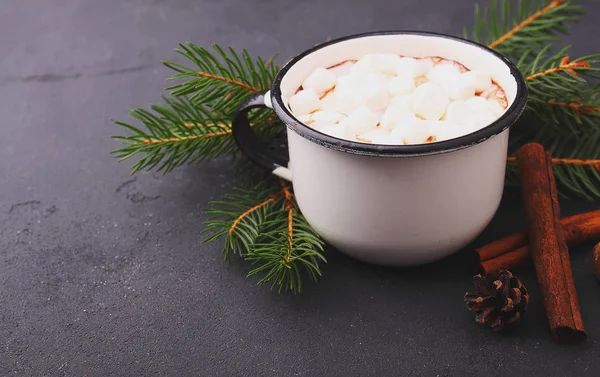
[[391, 204]]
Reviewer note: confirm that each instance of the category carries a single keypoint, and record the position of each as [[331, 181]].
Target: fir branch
[[185, 138], [581, 113], [528, 22], [240, 215], [565, 161], [178, 132], [196, 124], [577, 107], [228, 81], [289, 207], [173, 134], [576, 165], [220, 80], [541, 69], [263, 225], [575, 173], [243, 216], [273, 248], [560, 97], [530, 25]]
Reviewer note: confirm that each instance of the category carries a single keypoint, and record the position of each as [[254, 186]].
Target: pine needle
[[531, 24], [560, 96], [219, 80], [262, 224], [178, 132]]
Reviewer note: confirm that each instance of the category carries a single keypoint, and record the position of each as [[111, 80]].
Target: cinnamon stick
[[596, 258], [578, 230], [509, 261], [565, 332], [548, 246]]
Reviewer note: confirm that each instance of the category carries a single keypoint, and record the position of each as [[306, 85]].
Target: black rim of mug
[[509, 117]]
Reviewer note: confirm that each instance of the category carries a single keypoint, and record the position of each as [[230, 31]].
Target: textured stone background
[[102, 274]]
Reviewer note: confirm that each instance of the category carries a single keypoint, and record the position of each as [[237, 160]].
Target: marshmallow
[[342, 69], [377, 136], [480, 120], [319, 124], [373, 79], [379, 114], [443, 72], [401, 84], [457, 88], [363, 66], [478, 104], [360, 120], [347, 94], [477, 79], [305, 118], [404, 101], [373, 89], [423, 66], [430, 102], [335, 130], [329, 103], [395, 139], [483, 113], [376, 63], [458, 112], [304, 102], [410, 67], [346, 83], [445, 130], [389, 63], [412, 132], [395, 114], [321, 80], [496, 107], [327, 116]]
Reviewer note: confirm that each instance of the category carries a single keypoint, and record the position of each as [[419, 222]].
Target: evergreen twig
[[560, 98], [576, 165], [531, 24], [221, 80], [263, 225], [179, 132]]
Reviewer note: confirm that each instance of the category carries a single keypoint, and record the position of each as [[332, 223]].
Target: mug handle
[[249, 143]]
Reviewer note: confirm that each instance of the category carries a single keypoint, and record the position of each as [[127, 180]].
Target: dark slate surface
[[104, 275]]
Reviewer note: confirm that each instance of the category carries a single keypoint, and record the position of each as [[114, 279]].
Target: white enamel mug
[[391, 204]]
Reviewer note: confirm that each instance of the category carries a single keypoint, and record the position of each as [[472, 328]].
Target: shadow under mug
[[390, 204]]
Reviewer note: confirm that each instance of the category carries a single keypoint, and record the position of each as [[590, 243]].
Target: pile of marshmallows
[[389, 99]]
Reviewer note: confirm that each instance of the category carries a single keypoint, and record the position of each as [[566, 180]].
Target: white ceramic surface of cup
[[391, 204]]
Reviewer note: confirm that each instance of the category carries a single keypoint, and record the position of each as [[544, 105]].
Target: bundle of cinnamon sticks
[[545, 244], [513, 250]]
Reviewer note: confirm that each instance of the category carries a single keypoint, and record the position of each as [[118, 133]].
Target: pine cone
[[500, 302]]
